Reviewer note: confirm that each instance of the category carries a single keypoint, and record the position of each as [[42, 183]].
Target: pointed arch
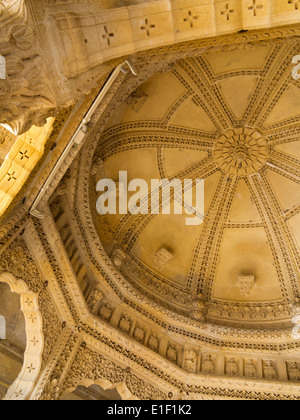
[[24, 383]]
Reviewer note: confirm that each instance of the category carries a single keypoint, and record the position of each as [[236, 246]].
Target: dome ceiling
[[232, 119]]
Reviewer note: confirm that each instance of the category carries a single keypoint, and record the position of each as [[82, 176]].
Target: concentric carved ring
[[241, 151]]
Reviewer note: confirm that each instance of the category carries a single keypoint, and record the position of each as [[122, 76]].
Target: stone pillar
[[25, 96]]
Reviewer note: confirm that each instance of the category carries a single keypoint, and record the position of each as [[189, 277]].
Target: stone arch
[[121, 387], [24, 383]]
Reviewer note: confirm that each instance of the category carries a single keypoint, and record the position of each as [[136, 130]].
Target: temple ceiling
[[211, 299], [144, 306]]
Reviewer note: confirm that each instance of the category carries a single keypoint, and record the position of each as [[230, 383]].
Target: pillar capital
[[25, 96]]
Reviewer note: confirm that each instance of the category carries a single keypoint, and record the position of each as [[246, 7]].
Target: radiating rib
[[154, 127], [143, 140], [285, 165], [276, 84], [269, 209], [201, 87], [204, 71], [283, 135]]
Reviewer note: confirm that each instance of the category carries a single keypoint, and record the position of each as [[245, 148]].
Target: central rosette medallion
[[241, 151]]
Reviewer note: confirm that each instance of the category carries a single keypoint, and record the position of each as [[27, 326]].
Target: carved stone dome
[[218, 121]]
